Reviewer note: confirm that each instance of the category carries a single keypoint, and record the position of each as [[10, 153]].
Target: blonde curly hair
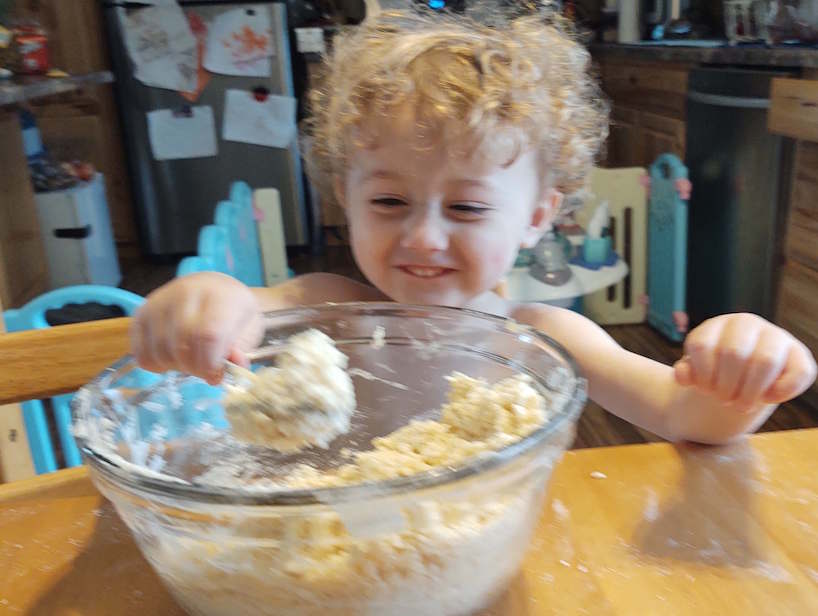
[[520, 80]]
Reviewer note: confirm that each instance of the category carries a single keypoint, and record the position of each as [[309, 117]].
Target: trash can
[[77, 235]]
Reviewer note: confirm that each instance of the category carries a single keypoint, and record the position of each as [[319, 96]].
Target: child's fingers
[[182, 334], [239, 357], [683, 371], [159, 328], [700, 348], [735, 347], [764, 366], [799, 373], [142, 342], [139, 345], [220, 327]]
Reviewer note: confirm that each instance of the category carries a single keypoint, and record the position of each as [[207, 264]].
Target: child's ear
[[339, 191], [542, 217]]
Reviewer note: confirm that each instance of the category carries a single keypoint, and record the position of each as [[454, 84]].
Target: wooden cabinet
[[797, 310], [793, 113], [802, 230], [626, 143], [657, 87], [638, 137], [23, 269], [648, 110], [794, 108]]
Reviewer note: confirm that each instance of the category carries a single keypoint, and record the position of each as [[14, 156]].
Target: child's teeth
[[426, 272]]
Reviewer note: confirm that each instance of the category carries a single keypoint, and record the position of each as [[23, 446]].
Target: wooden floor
[[597, 428]]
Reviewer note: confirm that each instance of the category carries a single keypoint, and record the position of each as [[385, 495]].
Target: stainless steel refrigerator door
[[175, 198], [735, 167]]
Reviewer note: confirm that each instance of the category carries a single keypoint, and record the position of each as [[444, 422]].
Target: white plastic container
[[77, 235]]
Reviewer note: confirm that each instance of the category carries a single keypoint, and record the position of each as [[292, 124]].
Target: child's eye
[[469, 211], [388, 202]]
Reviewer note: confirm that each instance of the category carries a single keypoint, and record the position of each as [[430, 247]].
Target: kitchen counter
[[804, 57]]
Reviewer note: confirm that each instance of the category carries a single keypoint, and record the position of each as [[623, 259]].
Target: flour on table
[[651, 512]]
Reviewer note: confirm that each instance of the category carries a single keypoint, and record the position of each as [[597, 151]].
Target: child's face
[[428, 227]]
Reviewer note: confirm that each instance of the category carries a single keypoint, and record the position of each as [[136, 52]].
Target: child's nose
[[425, 232]]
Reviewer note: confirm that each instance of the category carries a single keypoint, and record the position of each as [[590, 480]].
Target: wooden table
[[645, 529]]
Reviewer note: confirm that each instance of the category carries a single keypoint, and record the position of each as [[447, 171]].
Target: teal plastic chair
[[33, 316]]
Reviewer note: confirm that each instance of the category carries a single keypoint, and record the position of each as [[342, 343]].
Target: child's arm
[[194, 322], [736, 370]]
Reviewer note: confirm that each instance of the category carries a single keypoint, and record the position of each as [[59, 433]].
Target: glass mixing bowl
[[227, 539]]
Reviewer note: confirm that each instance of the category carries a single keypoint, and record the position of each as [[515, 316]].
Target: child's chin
[[428, 299]]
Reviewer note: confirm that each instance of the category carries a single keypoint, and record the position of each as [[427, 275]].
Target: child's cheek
[[498, 260]]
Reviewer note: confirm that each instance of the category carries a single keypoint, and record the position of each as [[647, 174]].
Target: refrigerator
[[174, 199]]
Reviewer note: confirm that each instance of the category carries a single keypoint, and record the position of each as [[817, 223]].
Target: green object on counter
[[596, 249]]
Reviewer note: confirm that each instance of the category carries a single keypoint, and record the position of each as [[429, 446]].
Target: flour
[[371, 377], [378, 337], [560, 509], [651, 512]]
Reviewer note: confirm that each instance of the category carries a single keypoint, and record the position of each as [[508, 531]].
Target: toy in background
[[632, 222], [596, 246], [670, 190], [233, 244], [549, 261], [270, 224], [622, 194]]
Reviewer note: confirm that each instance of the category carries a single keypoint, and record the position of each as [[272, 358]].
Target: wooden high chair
[[33, 315], [42, 363]]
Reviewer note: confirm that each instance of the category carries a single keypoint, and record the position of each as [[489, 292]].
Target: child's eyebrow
[[382, 174], [472, 183]]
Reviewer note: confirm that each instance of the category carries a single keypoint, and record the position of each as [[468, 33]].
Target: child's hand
[[743, 359], [194, 323]]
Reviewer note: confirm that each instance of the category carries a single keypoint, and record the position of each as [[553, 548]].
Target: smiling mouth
[[419, 271]]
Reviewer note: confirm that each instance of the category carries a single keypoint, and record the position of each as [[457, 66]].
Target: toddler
[[449, 143]]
